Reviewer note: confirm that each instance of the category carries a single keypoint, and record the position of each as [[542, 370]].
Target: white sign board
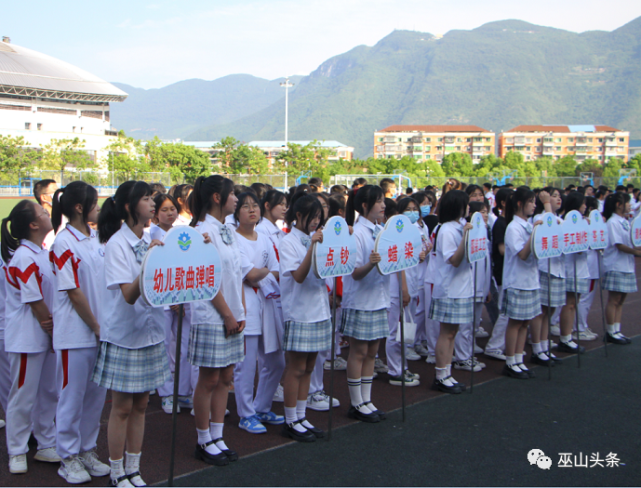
[[477, 241], [399, 245], [635, 231], [598, 235], [336, 255], [575, 231], [546, 238]]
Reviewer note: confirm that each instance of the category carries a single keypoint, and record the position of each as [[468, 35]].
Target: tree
[[311, 157], [62, 153], [566, 166], [14, 157], [458, 164]]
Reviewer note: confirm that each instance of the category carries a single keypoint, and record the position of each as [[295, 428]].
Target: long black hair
[[160, 198], [241, 201], [274, 198], [452, 206], [539, 204], [21, 216], [404, 203], [366, 196], [308, 206], [204, 188], [501, 196], [337, 203], [521, 195], [113, 210], [574, 201], [611, 201], [65, 199]]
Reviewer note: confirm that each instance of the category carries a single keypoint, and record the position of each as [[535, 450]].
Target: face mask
[[413, 216], [425, 210]]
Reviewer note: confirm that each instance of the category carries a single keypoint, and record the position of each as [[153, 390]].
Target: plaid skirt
[[364, 325], [583, 285], [521, 304], [209, 348], [452, 310], [131, 370], [308, 336], [619, 281], [557, 291]]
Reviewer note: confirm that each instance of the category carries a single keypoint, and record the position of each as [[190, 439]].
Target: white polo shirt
[[613, 259], [373, 291], [302, 302], [235, 268], [273, 232], [455, 282], [260, 253], [519, 274], [129, 326], [557, 264], [29, 279], [78, 262]]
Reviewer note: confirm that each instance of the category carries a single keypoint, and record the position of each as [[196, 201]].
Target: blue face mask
[[425, 210], [413, 216]]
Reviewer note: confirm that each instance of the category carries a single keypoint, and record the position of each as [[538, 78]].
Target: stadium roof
[[28, 73], [434, 128], [563, 128]]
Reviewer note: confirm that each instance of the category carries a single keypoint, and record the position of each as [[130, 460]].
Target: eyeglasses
[[247, 206]]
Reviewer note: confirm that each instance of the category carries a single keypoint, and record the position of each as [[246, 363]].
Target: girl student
[[166, 217], [521, 300], [261, 337], [5, 368], [79, 267], [132, 359], [27, 340], [216, 340], [305, 310], [452, 298], [585, 303], [548, 200], [366, 300], [618, 263], [574, 201], [181, 193]]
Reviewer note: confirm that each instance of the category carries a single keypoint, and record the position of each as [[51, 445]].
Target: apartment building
[[582, 142], [424, 142]]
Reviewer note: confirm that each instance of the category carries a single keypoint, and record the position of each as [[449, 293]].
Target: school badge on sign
[[399, 245], [546, 238], [476, 244], [336, 255], [598, 231], [574, 232], [184, 270]]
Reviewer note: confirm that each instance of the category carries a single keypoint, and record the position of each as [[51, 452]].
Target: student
[[521, 300], [316, 185], [166, 216], [182, 193], [27, 339], [78, 262], [366, 299], [452, 297], [389, 187], [618, 263], [132, 359], [549, 200], [5, 367], [260, 330], [306, 312], [43, 192], [216, 340]]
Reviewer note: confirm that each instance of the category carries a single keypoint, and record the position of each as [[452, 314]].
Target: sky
[[151, 44]]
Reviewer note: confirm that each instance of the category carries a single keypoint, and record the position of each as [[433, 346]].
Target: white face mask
[[412, 215]]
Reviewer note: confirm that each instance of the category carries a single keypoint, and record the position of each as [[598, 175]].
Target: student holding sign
[[132, 359], [618, 263], [583, 330], [308, 326]]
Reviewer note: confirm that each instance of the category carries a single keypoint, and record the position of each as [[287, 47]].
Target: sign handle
[[402, 324], [549, 318], [174, 411], [473, 333], [576, 314], [605, 330], [331, 373]]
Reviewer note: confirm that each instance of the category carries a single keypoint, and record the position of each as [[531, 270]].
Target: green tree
[[566, 166], [60, 154], [458, 164], [14, 157]]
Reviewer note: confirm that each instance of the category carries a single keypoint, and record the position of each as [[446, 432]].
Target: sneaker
[[479, 363], [339, 364], [431, 359], [585, 335], [252, 425], [18, 464], [47, 455], [185, 402], [495, 353], [93, 465], [466, 365], [193, 414], [409, 380], [168, 405], [380, 366], [411, 355], [421, 350], [73, 471], [319, 401], [279, 396], [481, 333], [555, 330], [477, 349], [270, 418], [409, 374]]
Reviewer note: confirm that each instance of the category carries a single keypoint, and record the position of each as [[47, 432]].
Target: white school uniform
[[518, 273], [420, 314], [432, 274], [273, 232], [613, 259], [78, 262], [33, 396], [5, 367], [453, 282]]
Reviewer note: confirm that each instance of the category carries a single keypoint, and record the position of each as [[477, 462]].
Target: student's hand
[[351, 229], [206, 237], [374, 258], [468, 227], [318, 235], [637, 252], [241, 326], [406, 298], [97, 331], [428, 247], [47, 326], [538, 222], [231, 326], [544, 197], [156, 242], [421, 256], [176, 308]]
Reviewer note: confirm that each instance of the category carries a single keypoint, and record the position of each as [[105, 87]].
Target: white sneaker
[[410, 380], [431, 359], [555, 330], [279, 396], [339, 364], [47, 455], [410, 354], [481, 332], [495, 353], [18, 464], [73, 471], [476, 361], [466, 365], [168, 405], [93, 465], [421, 350], [2, 423], [586, 335], [319, 401], [477, 349], [380, 366]]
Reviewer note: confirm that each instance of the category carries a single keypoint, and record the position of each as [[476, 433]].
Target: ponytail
[[366, 195], [114, 212], [200, 201], [611, 201], [20, 218], [65, 199], [521, 195]]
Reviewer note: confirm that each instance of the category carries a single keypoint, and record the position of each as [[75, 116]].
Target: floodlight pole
[[287, 85]]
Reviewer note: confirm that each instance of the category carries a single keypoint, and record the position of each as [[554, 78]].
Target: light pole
[[287, 86]]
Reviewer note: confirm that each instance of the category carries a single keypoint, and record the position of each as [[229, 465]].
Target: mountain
[[177, 110]]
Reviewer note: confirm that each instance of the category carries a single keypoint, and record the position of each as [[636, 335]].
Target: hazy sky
[[156, 43]]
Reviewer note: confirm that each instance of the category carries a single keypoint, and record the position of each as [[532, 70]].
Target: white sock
[[132, 462], [204, 436], [449, 373], [518, 359], [307, 424], [216, 430], [117, 468], [612, 328], [542, 355], [292, 417], [510, 361], [366, 388], [566, 338], [355, 394], [301, 405], [536, 347], [441, 374], [545, 346]]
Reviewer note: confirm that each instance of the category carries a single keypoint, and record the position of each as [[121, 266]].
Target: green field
[[6, 204]]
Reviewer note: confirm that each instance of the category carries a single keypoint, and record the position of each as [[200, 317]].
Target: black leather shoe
[[535, 359], [565, 347], [621, 339], [231, 455], [292, 433], [381, 415], [521, 375], [318, 433], [216, 460], [354, 413], [440, 386], [529, 372]]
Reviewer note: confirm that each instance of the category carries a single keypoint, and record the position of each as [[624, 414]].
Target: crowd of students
[[73, 324]]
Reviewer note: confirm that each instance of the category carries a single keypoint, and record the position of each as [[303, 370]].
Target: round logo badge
[[337, 228], [184, 242], [399, 225]]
